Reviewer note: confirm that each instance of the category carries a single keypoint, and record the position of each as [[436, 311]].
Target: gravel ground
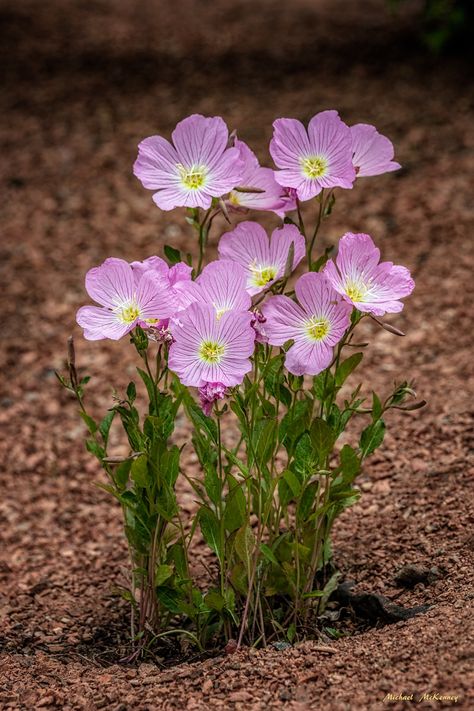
[[83, 83]]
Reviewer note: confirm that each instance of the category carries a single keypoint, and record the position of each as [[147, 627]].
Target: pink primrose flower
[[362, 280], [313, 159], [125, 301], [315, 324], [263, 259], [193, 169], [211, 350]]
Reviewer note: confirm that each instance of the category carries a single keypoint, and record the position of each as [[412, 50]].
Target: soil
[[83, 83]]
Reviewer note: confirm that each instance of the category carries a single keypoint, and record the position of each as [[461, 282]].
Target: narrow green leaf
[[89, 421], [268, 553], [163, 572], [372, 437], [139, 471], [172, 255], [346, 367], [244, 544], [293, 482], [210, 530]]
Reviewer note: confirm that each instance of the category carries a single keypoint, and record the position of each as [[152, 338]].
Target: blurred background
[[83, 81]]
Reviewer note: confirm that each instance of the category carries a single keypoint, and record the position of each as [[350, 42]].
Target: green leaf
[[305, 460], [210, 530], [235, 512], [89, 421], [150, 386], [264, 439], [350, 463], [268, 553], [104, 427], [212, 483], [214, 601], [131, 392], [169, 465], [139, 471], [372, 437], [95, 448], [323, 385], [172, 255], [376, 407], [204, 424], [163, 572], [244, 545], [293, 482], [346, 367], [122, 472], [322, 439]]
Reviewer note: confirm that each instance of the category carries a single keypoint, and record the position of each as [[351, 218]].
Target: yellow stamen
[[317, 328], [262, 275], [211, 351], [129, 313], [355, 292], [192, 178], [314, 166]]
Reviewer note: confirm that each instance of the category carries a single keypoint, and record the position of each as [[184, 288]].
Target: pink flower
[[222, 284], [255, 176], [364, 281], [177, 278], [316, 324], [314, 159], [209, 394], [373, 153], [264, 260], [195, 168], [211, 350], [125, 302]]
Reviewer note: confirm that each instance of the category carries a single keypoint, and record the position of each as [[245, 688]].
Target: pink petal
[[280, 243], [222, 283], [99, 323], [156, 163], [372, 152], [290, 141], [112, 283], [284, 319], [200, 140], [154, 297], [305, 358]]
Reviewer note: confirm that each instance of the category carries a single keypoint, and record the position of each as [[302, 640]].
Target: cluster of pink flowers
[[211, 323], [203, 162]]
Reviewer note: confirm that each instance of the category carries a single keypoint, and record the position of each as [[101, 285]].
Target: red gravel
[[84, 82]]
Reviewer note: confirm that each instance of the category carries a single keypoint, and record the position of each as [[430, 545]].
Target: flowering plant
[[258, 360]]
